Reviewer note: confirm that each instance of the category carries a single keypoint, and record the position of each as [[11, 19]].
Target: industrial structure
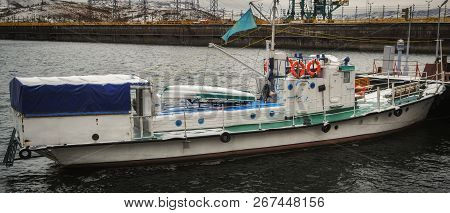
[[205, 12], [179, 6], [313, 9]]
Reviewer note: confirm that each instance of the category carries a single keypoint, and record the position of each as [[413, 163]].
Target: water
[[415, 160]]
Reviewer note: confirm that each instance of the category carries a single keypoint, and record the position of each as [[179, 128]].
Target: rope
[[265, 38], [345, 38]]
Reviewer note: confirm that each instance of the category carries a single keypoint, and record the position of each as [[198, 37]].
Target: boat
[[300, 101]]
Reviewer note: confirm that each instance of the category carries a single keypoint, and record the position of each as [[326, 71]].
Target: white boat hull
[[241, 144]]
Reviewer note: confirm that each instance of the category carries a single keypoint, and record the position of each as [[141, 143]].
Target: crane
[[311, 9]]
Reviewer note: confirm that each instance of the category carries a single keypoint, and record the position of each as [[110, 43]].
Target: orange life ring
[[361, 90], [315, 71], [266, 66], [297, 68]]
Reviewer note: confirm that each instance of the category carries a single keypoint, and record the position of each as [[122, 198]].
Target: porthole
[[290, 87], [178, 123], [95, 137], [253, 116], [201, 121], [271, 113], [336, 127], [376, 118], [390, 114], [407, 109], [312, 85]]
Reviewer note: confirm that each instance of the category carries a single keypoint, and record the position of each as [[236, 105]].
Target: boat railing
[[397, 69], [396, 93]]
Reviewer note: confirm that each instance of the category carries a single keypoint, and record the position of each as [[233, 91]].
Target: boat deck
[[218, 107]]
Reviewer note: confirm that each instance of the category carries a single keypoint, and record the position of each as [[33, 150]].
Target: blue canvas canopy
[[75, 95]]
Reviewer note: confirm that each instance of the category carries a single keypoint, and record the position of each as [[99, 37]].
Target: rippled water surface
[[414, 160]]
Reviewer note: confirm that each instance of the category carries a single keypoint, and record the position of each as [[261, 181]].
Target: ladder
[[10, 155]]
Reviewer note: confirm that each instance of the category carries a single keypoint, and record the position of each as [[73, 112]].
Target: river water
[[414, 160]]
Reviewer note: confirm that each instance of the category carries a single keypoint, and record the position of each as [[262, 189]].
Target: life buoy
[[225, 137], [315, 71], [25, 154], [266, 66], [360, 90], [297, 68]]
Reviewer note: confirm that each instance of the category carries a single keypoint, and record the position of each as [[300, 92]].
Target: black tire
[[25, 154], [398, 112], [225, 137], [326, 128]]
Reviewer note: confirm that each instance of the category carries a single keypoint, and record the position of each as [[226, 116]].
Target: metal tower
[[213, 6], [144, 9], [112, 3], [115, 15]]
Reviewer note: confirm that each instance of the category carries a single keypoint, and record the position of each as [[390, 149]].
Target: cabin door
[[335, 89]]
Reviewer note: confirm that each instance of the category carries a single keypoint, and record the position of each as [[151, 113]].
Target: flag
[[246, 22]]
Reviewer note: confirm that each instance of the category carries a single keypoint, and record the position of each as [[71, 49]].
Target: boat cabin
[[72, 110], [310, 84]]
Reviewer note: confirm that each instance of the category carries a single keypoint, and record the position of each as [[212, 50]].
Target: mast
[[274, 11], [439, 46], [438, 28], [407, 45]]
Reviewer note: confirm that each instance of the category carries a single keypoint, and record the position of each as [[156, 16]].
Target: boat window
[[346, 77]]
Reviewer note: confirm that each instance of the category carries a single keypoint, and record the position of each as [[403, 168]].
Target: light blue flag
[[246, 22]]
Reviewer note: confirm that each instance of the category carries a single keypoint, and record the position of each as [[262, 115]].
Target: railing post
[[141, 126], [354, 109], [378, 99], [393, 94], [223, 117], [388, 78], [185, 126], [293, 120]]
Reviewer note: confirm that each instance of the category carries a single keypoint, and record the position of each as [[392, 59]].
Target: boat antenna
[[408, 44], [274, 12], [438, 29], [439, 45]]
